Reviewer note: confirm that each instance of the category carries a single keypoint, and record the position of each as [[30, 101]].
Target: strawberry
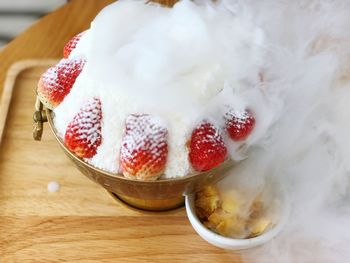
[[72, 44], [206, 147], [239, 124], [144, 147], [83, 134], [55, 84]]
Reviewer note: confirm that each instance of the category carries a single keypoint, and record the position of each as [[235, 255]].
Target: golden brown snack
[[229, 214]]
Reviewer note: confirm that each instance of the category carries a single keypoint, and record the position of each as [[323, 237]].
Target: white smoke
[[307, 149], [303, 104]]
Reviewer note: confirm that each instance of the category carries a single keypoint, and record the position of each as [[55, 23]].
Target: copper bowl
[[160, 195]]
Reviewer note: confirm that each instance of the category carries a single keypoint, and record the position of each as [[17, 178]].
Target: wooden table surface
[[80, 222]]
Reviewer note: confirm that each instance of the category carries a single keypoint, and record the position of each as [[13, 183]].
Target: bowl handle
[[39, 117]]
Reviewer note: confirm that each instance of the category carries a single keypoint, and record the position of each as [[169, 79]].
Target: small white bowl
[[232, 243]]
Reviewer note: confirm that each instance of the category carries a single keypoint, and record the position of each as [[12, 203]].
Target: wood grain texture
[[80, 222]]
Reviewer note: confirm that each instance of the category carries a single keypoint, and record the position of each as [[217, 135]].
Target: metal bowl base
[[158, 205]]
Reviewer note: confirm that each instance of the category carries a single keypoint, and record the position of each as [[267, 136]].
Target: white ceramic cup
[[232, 243]]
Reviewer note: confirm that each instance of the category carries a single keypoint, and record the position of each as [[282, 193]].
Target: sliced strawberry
[[83, 134], [55, 84], [207, 147], [144, 147], [239, 124], [72, 44]]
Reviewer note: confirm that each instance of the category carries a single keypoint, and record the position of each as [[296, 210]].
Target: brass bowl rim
[[117, 175]]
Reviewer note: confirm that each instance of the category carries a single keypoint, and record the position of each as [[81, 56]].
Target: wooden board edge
[[11, 76]]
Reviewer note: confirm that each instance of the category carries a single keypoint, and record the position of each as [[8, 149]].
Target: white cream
[[170, 62]]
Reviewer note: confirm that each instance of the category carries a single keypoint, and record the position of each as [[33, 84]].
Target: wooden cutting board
[[80, 222]]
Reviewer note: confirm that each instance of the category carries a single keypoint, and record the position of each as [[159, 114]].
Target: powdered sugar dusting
[[241, 115], [81, 47], [66, 71], [170, 63], [83, 134], [207, 147], [57, 81], [144, 147], [72, 44], [143, 132], [239, 123], [208, 133]]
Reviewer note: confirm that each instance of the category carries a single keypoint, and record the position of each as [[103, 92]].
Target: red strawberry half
[[83, 134], [55, 84], [144, 147], [72, 44], [239, 124], [207, 147]]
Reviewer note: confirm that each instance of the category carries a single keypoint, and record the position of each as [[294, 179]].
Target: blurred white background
[[17, 15]]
